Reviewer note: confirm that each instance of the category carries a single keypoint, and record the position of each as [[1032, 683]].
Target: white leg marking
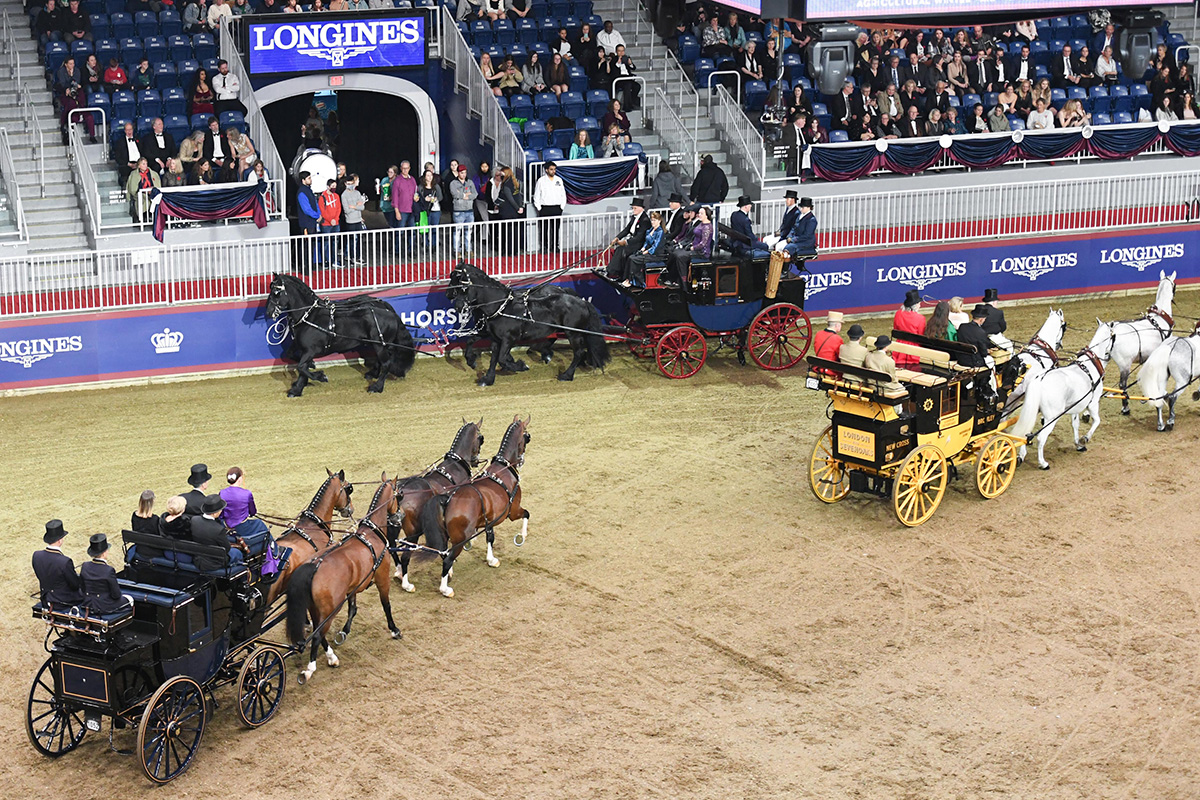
[[331, 657], [492, 561]]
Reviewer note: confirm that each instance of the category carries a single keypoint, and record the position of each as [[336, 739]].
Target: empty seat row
[[546, 106], [144, 23], [131, 50], [525, 31]]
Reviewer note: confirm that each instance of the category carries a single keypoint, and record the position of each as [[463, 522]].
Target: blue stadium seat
[[1016, 123], [131, 50], [145, 23], [204, 47], [1057, 97], [820, 110], [535, 134], [545, 106], [181, 47], [56, 54], [517, 52], [1076, 93], [199, 122], [124, 104], [591, 125], [793, 64], [990, 100], [754, 94], [503, 33], [177, 126], [425, 4], [703, 68], [232, 119], [496, 52], [1061, 32], [1139, 90], [573, 25], [577, 79], [1040, 52], [187, 72], [954, 101], [838, 136], [1102, 118], [121, 25], [521, 106], [562, 139], [169, 23], [552, 154], [1123, 118], [1079, 21], [1077, 45], [150, 103], [573, 104], [143, 125], [106, 49], [560, 8], [101, 100], [595, 20], [157, 49], [527, 31], [81, 50], [91, 7], [689, 49], [209, 64], [117, 124], [100, 29], [634, 149], [548, 30], [1124, 103], [1040, 71], [166, 76], [542, 49], [502, 101], [597, 102], [174, 101], [1056, 46], [532, 156]]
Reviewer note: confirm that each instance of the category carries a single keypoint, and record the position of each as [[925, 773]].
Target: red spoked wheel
[[681, 352], [779, 336], [642, 340]]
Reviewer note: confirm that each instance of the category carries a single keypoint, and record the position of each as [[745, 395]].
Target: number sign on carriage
[[355, 42]]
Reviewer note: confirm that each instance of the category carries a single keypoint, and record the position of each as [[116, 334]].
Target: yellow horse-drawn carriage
[[907, 438]]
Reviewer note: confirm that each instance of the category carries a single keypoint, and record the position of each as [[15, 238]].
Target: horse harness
[[511, 493], [330, 306], [1155, 311], [322, 524], [1094, 360], [1038, 344]]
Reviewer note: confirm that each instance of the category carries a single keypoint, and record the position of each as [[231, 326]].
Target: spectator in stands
[[220, 9], [93, 76], [1073, 115], [558, 78], [862, 52], [918, 48], [710, 184], [933, 124], [1022, 66], [533, 81], [490, 74], [75, 24], [714, 42], [68, 87], [618, 117], [518, 10], [582, 146], [1162, 58], [195, 17], [143, 178], [216, 146], [886, 127], [666, 186], [173, 174], [1007, 99], [935, 72], [909, 98], [781, 29], [913, 71], [613, 144], [952, 124], [467, 9], [463, 194], [913, 126], [241, 150], [1064, 70], [799, 102], [329, 206], [510, 78], [562, 45], [957, 75], [317, 7], [863, 128], [227, 88], [201, 96], [1041, 118], [494, 9], [268, 7], [769, 58], [1106, 68], [1105, 38], [190, 150], [998, 121], [750, 66], [115, 78], [623, 67], [844, 108], [126, 152], [429, 199], [1024, 103], [240, 8], [1026, 30], [1184, 82], [1165, 112], [584, 46], [404, 193], [797, 140], [157, 146], [894, 72], [815, 133], [358, 5], [961, 44], [1085, 65], [48, 25], [142, 78], [978, 121], [549, 199], [609, 38], [1189, 109], [1162, 86], [308, 216], [1042, 90], [939, 98], [202, 174], [293, 7], [888, 101]]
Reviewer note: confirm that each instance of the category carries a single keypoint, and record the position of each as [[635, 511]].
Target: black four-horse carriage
[[743, 303], [154, 667]]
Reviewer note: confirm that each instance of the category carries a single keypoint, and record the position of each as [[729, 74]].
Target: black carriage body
[[872, 442]]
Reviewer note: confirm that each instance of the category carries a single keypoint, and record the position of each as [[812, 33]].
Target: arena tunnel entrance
[[382, 120]]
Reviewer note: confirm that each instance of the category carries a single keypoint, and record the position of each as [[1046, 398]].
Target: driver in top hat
[[100, 580], [741, 240], [791, 212], [801, 240], [198, 480], [59, 585], [909, 319], [209, 529], [629, 240], [995, 326]]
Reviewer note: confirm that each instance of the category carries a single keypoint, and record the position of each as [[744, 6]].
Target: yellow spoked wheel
[[919, 485], [995, 466], [827, 475]]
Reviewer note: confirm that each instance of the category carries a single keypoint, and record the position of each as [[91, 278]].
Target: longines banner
[[292, 44], [83, 348]]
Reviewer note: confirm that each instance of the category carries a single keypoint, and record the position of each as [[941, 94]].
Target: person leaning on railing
[[142, 178]]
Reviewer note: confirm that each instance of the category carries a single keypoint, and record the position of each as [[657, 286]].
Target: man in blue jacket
[[741, 239], [802, 239], [307, 214]]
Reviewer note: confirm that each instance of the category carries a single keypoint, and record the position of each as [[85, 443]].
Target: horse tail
[[431, 524], [597, 347], [1154, 373], [1029, 409], [299, 593]]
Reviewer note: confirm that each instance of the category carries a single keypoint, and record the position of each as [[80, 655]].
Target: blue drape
[[590, 179], [218, 202], [1123, 142], [844, 163], [982, 152], [1183, 139], [1052, 145], [909, 158]]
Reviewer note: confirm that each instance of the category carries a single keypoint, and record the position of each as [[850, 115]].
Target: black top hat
[[694, 207], [675, 197], [856, 331], [882, 342], [744, 200], [980, 311], [912, 298], [990, 295], [199, 475], [639, 202], [54, 531], [806, 201], [212, 504], [97, 544], [790, 193]]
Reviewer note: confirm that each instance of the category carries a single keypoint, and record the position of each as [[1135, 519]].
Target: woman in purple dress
[[240, 511]]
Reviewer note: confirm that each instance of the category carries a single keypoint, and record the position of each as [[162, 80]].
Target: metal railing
[[29, 114], [274, 201], [709, 82], [85, 179], [8, 178], [744, 139], [264, 143], [494, 128], [9, 37], [680, 139]]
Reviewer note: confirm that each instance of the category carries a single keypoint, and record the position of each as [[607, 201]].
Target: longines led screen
[[867, 9], [305, 44]]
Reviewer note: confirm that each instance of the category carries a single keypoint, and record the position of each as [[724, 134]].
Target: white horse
[[1179, 359], [1034, 358], [1135, 340], [1067, 389]]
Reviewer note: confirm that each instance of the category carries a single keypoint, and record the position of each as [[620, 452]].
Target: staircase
[[52, 213], [647, 51]]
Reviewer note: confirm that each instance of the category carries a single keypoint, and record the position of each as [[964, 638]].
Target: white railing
[[8, 177], [264, 143], [744, 139], [680, 139], [273, 201], [85, 179], [29, 114], [493, 124], [9, 37], [333, 262]]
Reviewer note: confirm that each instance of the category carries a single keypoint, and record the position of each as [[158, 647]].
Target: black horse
[[361, 324], [508, 317], [542, 350]]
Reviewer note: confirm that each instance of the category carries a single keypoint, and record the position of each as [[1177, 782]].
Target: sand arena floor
[[686, 620]]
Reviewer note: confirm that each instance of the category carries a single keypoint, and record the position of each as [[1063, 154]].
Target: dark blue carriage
[[154, 667], [731, 299]]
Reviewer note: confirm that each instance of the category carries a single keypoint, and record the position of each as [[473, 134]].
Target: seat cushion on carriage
[[919, 378], [927, 356], [155, 595], [81, 613], [999, 356]]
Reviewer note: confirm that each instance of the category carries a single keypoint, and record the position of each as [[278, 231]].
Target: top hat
[[54, 531], [790, 193], [882, 342], [805, 201], [675, 197], [834, 316], [856, 331], [744, 200], [212, 504], [694, 207], [199, 475], [639, 202], [912, 298], [990, 296], [97, 544], [980, 311]]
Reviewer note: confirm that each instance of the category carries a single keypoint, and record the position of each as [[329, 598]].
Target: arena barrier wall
[[208, 337]]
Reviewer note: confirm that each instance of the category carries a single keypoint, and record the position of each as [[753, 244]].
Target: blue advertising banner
[[305, 44]]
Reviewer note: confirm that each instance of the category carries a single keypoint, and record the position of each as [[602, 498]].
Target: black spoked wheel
[[53, 727], [171, 729], [260, 686]]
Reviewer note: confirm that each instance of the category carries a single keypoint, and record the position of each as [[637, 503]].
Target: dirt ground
[[685, 620]]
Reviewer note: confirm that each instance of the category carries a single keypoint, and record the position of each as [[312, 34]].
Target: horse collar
[[457, 459], [1087, 351], [307, 514], [440, 470], [1045, 347], [504, 462], [1155, 311]]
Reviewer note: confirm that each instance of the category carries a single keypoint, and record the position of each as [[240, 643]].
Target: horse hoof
[[1124, 412], [484, 383], [408, 587], [493, 562], [397, 635], [447, 592], [320, 377], [566, 377], [1043, 466], [302, 678], [1170, 426], [519, 366], [1081, 448], [375, 389], [1196, 395], [546, 359], [294, 392]]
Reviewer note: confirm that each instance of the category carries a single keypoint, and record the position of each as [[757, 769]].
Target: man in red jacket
[[910, 320], [329, 205], [828, 343]]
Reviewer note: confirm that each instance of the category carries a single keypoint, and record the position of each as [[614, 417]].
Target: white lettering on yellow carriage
[[28, 352], [1141, 257], [856, 444], [921, 275], [1033, 266]]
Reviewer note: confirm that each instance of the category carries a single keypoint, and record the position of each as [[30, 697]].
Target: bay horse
[[492, 496], [1135, 340], [416, 490], [319, 327], [1178, 359], [319, 587], [507, 317], [310, 535]]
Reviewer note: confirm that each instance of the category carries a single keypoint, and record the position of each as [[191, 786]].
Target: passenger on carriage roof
[[995, 326], [910, 320], [57, 581], [207, 529], [853, 353], [972, 333], [881, 361], [103, 593], [199, 482], [175, 524], [828, 343]]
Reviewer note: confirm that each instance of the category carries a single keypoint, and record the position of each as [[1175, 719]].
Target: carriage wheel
[[779, 336], [681, 352], [995, 467], [171, 728], [260, 686], [828, 477], [53, 728], [642, 342], [920, 485]]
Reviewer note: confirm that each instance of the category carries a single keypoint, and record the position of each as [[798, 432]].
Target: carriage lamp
[[91, 721]]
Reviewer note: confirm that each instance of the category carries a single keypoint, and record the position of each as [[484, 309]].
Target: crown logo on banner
[[167, 342]]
